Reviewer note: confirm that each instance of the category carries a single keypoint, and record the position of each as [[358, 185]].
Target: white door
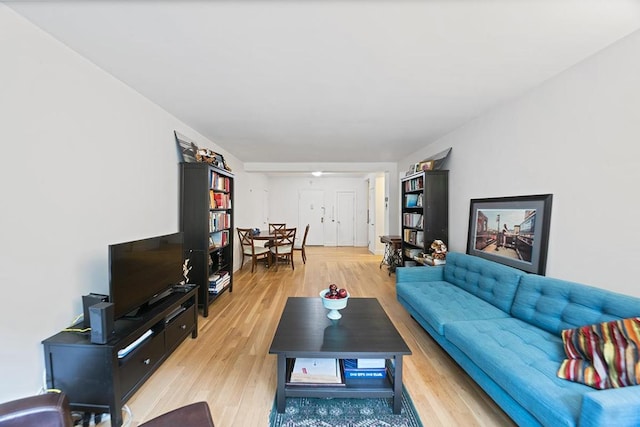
[[265, 210], [311, 211], [345, 218]]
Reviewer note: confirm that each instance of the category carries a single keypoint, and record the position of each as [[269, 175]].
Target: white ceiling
[[329, 80]]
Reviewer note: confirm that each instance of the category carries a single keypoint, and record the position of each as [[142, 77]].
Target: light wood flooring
[[228, 365]]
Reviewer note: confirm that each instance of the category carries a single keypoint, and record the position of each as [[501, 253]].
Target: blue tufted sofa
[[502, 326]]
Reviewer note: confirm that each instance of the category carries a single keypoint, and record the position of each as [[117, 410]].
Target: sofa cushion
[[555, 305], [523, 360], [493, 282], [440, 303], [604, 355]]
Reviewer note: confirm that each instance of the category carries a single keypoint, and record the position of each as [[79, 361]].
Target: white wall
[[86, 162], [575, 136], [283, 199]]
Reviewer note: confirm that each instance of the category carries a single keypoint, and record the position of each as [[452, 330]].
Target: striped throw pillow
[[603, 355]]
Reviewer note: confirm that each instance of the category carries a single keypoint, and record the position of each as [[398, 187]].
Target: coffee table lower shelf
[[352, 387]]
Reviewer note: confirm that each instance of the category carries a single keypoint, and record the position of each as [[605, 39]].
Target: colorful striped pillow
[[604, 355]]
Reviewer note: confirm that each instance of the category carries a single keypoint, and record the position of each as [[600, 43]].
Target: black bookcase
[[425, 212], [206, 218]]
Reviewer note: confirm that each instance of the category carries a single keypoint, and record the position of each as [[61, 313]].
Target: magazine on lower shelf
[[315, 372]]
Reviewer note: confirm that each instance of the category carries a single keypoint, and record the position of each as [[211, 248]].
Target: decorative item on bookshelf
[[186, 268], [438, 250], [186, 148]]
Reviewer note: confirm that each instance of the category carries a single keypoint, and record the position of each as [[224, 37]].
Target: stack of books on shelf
[[412, 253], [219, 200], [218, 182], [316, 372], [365, 368], [429, 260], [412, 220], [414, 237], [414, 184], [411, 200], [219, 221], [219, 239], [219, 281]]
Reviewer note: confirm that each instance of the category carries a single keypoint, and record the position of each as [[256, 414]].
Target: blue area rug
[[341, 412]]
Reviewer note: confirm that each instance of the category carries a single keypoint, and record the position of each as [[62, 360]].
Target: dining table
[[264, 235]]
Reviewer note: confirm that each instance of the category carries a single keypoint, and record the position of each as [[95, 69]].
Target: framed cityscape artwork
[[511, 230]]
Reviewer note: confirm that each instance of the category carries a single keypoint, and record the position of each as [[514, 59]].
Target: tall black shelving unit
[[206, 218], [425, 212]]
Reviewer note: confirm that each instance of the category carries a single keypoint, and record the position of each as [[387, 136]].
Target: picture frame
[[511, 230], [426, 165]]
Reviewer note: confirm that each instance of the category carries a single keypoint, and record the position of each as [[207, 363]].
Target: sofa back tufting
[[493, 282], [554, 304]]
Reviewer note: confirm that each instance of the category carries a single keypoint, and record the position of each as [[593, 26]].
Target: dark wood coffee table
[[364, 332]]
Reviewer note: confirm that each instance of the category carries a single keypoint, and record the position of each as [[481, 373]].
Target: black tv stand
[[93, 376]]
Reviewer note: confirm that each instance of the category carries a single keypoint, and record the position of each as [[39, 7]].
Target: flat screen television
[[142, 270]]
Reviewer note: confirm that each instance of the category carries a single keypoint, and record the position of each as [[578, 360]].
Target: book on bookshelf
[[219, 238], [412, 253], [429, 260], [219, 277], [412, 220], [219, 221], [411, 200], [219, 200], [218, 281]]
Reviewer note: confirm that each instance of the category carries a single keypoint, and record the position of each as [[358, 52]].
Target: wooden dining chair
[[300, 245], [249, 249], [273, 226], [282, 246]]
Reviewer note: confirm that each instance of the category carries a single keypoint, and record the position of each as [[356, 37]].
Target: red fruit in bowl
[[342, 293]]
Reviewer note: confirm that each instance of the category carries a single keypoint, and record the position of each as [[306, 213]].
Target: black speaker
[[101, 317], [88, 301]]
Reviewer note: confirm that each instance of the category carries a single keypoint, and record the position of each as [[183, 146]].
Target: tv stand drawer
[[178, 328], [140, 363]]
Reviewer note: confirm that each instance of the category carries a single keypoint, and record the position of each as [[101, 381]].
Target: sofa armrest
[[420, 274], [619, 407], [42, 410]]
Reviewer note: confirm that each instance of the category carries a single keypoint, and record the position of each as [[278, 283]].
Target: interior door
[[311, 211], [265, 210], [345, 218]]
